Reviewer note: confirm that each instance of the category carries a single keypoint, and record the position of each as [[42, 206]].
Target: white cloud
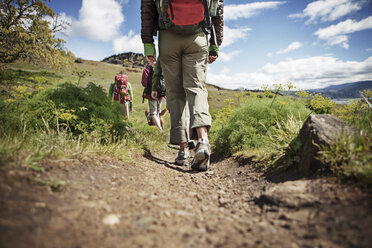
[[293, 46], [368, 49], [225, 70], [337, 34], [328, 10], [129, 43], [239, 80], [307, 73], [231, 35], [99, 20], [269, 55], [228, 56], [236, 11]]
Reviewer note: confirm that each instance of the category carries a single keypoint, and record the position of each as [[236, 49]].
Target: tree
[[59, 25], [25, 33]]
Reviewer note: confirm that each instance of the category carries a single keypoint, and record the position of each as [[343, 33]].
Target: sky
[[312, 44]]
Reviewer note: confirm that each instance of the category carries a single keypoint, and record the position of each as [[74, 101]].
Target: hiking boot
[[182, 158], [202, 156]]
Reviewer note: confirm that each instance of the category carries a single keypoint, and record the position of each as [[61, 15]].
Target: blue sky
[[312, 44]]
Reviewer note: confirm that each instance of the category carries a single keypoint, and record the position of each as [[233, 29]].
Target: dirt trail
[[152, 203]]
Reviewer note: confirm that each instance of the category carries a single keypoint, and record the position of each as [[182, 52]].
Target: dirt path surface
[[152, 203]]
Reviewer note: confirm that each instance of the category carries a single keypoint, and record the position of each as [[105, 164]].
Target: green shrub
[[248, 126], [351, 157], [30, 78], [284, 144], [356, 113], [80, 111], [320, 104]]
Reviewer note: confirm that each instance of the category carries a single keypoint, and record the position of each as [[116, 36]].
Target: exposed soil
[[152, 203]]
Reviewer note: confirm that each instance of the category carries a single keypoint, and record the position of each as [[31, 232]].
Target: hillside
[[126, 59], [348, 90]]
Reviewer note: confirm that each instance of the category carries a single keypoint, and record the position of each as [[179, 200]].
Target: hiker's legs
[[126, 109], [154, 107], [202, 133], [156, 120], [159, 102], [194, 68], [170, 49]]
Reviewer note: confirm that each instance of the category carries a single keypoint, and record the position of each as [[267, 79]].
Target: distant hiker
[[121, 90], [153, 80], [150, 120], [184, 53]]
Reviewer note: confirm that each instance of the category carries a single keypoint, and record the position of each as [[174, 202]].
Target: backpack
[[186, 17], [121, 93], [147, 82], [161, 88]]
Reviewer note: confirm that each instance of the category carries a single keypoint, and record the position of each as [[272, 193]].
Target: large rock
[[319, 130]]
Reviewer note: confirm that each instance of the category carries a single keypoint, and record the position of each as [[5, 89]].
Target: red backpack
[[185, 16], [121, 93]]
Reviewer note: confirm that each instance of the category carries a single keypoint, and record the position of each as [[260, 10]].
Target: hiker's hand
[[211, 59], [154, 95], [151, 60], [131, 110]]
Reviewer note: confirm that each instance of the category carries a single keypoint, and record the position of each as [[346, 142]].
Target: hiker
[[183, 54], [154, 115], [121, 90]]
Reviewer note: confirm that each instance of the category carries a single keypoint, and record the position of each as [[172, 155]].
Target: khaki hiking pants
[[183, 60]]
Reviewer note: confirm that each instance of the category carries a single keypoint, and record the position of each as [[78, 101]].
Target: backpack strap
[[143, 95], [206, 26], [171, 10]]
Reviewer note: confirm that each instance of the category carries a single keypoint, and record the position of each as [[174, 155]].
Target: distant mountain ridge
[[126, 59], [347, 90], [341, 91]]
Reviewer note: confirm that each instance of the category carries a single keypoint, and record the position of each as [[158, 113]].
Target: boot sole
[[200, 161]]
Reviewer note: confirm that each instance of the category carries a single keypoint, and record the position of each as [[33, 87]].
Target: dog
[[161, 116]]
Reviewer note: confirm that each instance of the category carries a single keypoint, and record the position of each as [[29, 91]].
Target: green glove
[[213, 50], [149, 49]]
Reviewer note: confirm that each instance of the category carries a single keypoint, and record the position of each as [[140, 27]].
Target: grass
[[350, 157], [284, 145], [100, 73], [29, 146], [249, 124], [267, 129]]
